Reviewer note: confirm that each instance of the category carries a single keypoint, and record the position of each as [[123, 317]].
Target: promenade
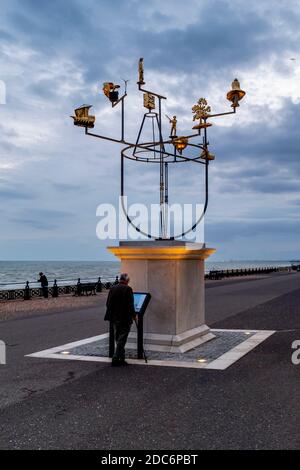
[[63, 404]]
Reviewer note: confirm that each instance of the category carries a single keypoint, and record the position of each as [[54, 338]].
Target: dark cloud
[[295, 202], [262, 142], [53, 21], [233, 230], [35, 224], [261, 186], [67, 187], [42, 219], [8, 194]]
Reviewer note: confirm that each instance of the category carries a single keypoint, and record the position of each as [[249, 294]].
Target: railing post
[[27, 292], [140, 338], [55, 289], [79, 287], [99, 285]]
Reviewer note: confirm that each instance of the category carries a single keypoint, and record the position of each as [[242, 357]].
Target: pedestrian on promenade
[[44, 284], [120, 311]]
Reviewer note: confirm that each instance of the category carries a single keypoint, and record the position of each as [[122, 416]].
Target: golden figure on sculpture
[[180, 143], [82, 117], [206, 155], [141, 72], [109, 89], [201, 111], [149, 101], [173, 123], [235, 94]]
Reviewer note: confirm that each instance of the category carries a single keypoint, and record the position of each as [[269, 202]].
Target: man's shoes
[[123, 363], [115, 363], [118, 363]]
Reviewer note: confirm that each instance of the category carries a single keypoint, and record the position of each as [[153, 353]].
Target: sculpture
[[155, 149]]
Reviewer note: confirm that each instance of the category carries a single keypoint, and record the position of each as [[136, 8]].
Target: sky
[[55, 55]]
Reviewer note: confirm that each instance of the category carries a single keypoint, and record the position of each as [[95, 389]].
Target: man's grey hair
[[124, 277]]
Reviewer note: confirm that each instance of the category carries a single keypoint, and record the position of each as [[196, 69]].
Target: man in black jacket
[[44, 284], [120, 311]]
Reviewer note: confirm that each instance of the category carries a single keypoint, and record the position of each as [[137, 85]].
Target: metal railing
[[76, 287], [226, 273], [90, 286]]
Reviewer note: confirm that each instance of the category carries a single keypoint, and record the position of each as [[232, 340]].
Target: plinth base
[[173, 273], [173, 343]]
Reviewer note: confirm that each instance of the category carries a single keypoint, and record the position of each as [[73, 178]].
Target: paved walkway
[[64, 404]]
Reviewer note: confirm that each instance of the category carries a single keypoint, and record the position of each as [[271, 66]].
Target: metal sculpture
[[159, 150]]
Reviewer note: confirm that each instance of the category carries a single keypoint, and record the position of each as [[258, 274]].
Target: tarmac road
[[56, 404]]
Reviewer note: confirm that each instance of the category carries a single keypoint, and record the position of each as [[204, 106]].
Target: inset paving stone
[[208, 352], [225, 349]]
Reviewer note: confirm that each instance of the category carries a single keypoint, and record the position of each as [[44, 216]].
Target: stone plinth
[[173, 273]]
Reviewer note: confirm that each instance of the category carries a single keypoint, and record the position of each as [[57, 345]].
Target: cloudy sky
[[54, 55]]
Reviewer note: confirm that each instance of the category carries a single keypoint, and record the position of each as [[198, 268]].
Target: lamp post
[[159, 150]]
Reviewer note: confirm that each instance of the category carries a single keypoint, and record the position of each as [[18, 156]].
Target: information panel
[[141, 301]]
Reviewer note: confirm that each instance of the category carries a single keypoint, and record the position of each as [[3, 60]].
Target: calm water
[[12, 272], [65, 272]]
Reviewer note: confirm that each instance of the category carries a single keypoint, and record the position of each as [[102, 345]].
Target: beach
[[40, 306]]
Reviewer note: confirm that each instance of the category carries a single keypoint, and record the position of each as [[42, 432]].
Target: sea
[[14, 274]]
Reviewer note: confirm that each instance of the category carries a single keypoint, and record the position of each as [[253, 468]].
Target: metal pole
[[162, 179], [123, 118], [140, 339], [206, 171], [167, 197], [205, 144], [139, 134]]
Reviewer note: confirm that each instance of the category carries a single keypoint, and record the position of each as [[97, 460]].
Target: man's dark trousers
[[121, 331], [45, 291]]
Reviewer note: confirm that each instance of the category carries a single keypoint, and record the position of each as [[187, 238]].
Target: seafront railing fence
[[91, 286], [227, 273], [57, 287]]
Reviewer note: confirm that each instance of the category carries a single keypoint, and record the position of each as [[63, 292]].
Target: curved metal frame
[[147, 160], [148, 235], [164, 158]]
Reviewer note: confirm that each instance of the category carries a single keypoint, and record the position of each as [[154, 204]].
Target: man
[[173, 123], [44, 284], [120, 311]]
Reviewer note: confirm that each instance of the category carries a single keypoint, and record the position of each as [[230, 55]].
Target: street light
[[181, 143], [163, 152], [235, 94]]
